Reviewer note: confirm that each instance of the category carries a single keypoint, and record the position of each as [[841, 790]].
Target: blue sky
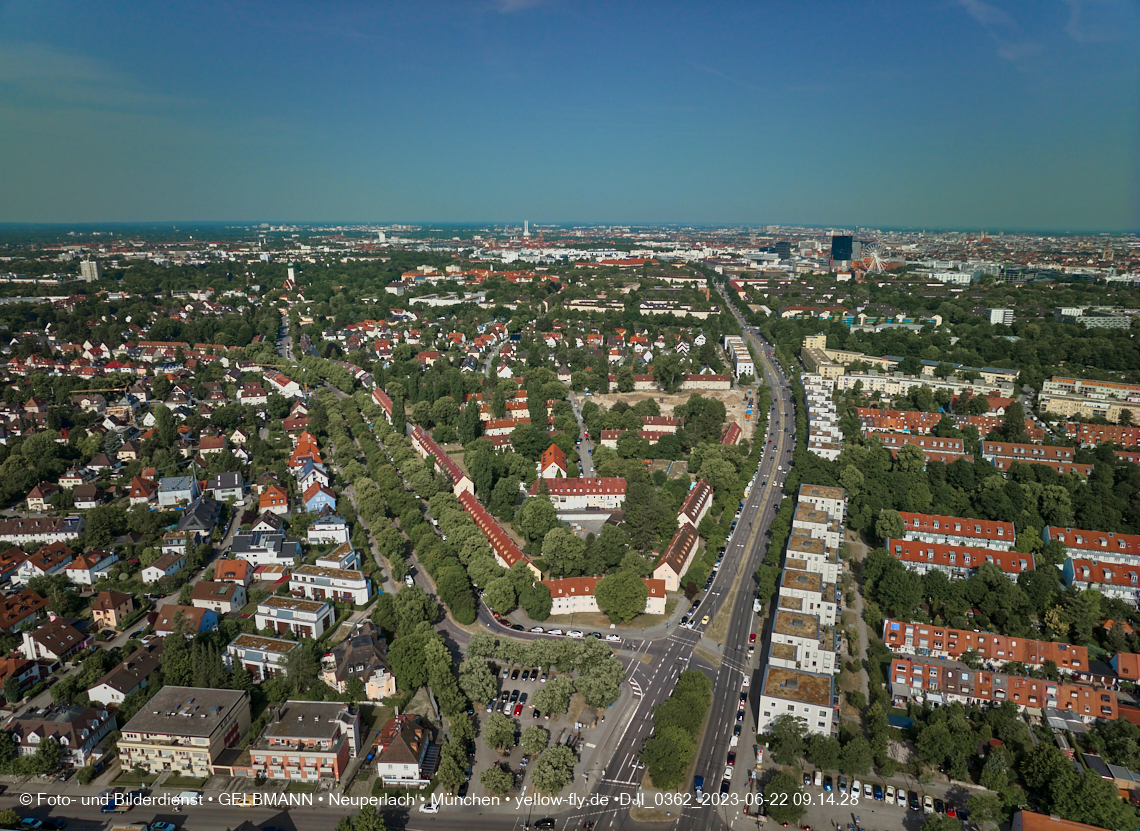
[[972, 114]]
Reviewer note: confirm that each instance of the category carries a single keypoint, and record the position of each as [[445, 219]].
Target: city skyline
[[963, 115]]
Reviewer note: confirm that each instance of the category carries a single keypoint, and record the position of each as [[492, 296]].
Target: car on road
[[536, 629], [705, 620], [752, 637], [725, 785], [574, 633], [927, 804], [891, 794], [596, 635], [31, 822], [684, 619], [613, 638], [912, 801], [740, 714], [751, 651], [728, 771], [554, 632], [743, 697], [518, 627], [162, 826], [732, 757]]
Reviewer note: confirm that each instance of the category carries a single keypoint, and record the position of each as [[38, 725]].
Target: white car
[[614, 638], [537, 629], [868, 791], [554, 632], [429, 807], [900, 798], [855, 786], [574, 633], [727, 771]]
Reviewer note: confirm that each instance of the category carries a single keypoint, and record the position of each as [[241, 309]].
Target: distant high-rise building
[[842, 248], [526, 227], [90, 270], [783, 248], [1001, 317]]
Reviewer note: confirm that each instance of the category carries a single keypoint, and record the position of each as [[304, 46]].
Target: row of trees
[[677, 723]]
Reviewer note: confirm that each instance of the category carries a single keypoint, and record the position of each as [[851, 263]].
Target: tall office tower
[[842, 248], [526, 227], [90, 270]]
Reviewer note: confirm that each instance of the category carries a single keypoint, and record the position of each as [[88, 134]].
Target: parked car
[[891, 794], [842, 784], [827, 783], [868, 791], [939, 807], [927, 804], [613, 638], [574, 633], [536, 629], [912, 801], [878, 792]]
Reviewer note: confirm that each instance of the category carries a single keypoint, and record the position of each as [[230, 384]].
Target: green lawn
[[129, 777], [176, 781]]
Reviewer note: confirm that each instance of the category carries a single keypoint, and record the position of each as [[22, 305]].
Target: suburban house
[[319, 498], [79, 730], [265, 548], [234, 571], [274, 499], [184, 729], [363, 655], [318, 583], [223, 486], [677, 557], [292, 615], [223, 598], [164, 566], [56, 640], [87, 496], [85, 569], [344, 556], [552, 465], [696, 504], [16, 609], [199, 519], [194, 619], [52, 558], [110, 608], [177, 490], [328, 529], [23, 530], [142, 491], [39, 496], [401, 747], [128, 676], [262, 657]]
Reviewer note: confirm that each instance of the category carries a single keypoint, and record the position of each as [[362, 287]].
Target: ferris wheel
[[874, 256]]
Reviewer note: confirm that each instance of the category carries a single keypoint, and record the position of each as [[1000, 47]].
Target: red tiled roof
[[957, 556], [982, 529], [501, 542], [578, 486]]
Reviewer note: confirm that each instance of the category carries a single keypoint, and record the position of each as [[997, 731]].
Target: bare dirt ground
[[733, 403]]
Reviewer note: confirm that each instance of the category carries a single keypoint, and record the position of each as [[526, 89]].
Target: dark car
[[544, 823], [515, 675], [912, 801], [740, 715], [732, 757], [939, 807], [684, 619], [724, 786], [514, 696], [743, 697], [807, 780], [878, 793], [518, 627], [526, 675]]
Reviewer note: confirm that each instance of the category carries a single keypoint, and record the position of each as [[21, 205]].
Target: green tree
[[621, 596], [534, 740], [476, 680], [500, 595], [498, 731], [12, 693], [889, 525], [856, 756], [496, 780], [984, 807], [537, 517], [823, 751], [564, 552], [781, 798], [666, 755], [787, 739], [554, 770]]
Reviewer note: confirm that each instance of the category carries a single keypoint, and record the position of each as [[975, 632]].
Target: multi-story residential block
[[576, 594], [426, 446], [1112, 580], [24, 530], [829, 500], [813, 555], [342, 557], [957, 561], [79, 731], [328, 529], [306, 741], [943, 642], [293, 615], [53, 558], [599, 494], [363, 656], [802, 590], [809, 522], [184, 730], [1098, 546], [940, 681], [697, 503], [802, 641], [321, 583], [177, 542], [954, 530], [505, 549], [262, 657], [737, 351], [677, 557], [792, 692]]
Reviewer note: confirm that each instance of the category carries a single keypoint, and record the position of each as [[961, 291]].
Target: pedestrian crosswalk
[[635, 687]]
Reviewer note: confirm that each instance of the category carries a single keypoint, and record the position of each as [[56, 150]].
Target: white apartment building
[[809, 522], [829, 500], [262, 657], [792, 692], [737, 351], [816, 555], [294, 615], [322, 583], [584, 494]]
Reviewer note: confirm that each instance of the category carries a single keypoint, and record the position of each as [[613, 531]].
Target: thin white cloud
[[63, 78], [1003, 29], [1102, 21]]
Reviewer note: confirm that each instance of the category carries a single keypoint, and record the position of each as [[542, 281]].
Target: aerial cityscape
[[530, 414]]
